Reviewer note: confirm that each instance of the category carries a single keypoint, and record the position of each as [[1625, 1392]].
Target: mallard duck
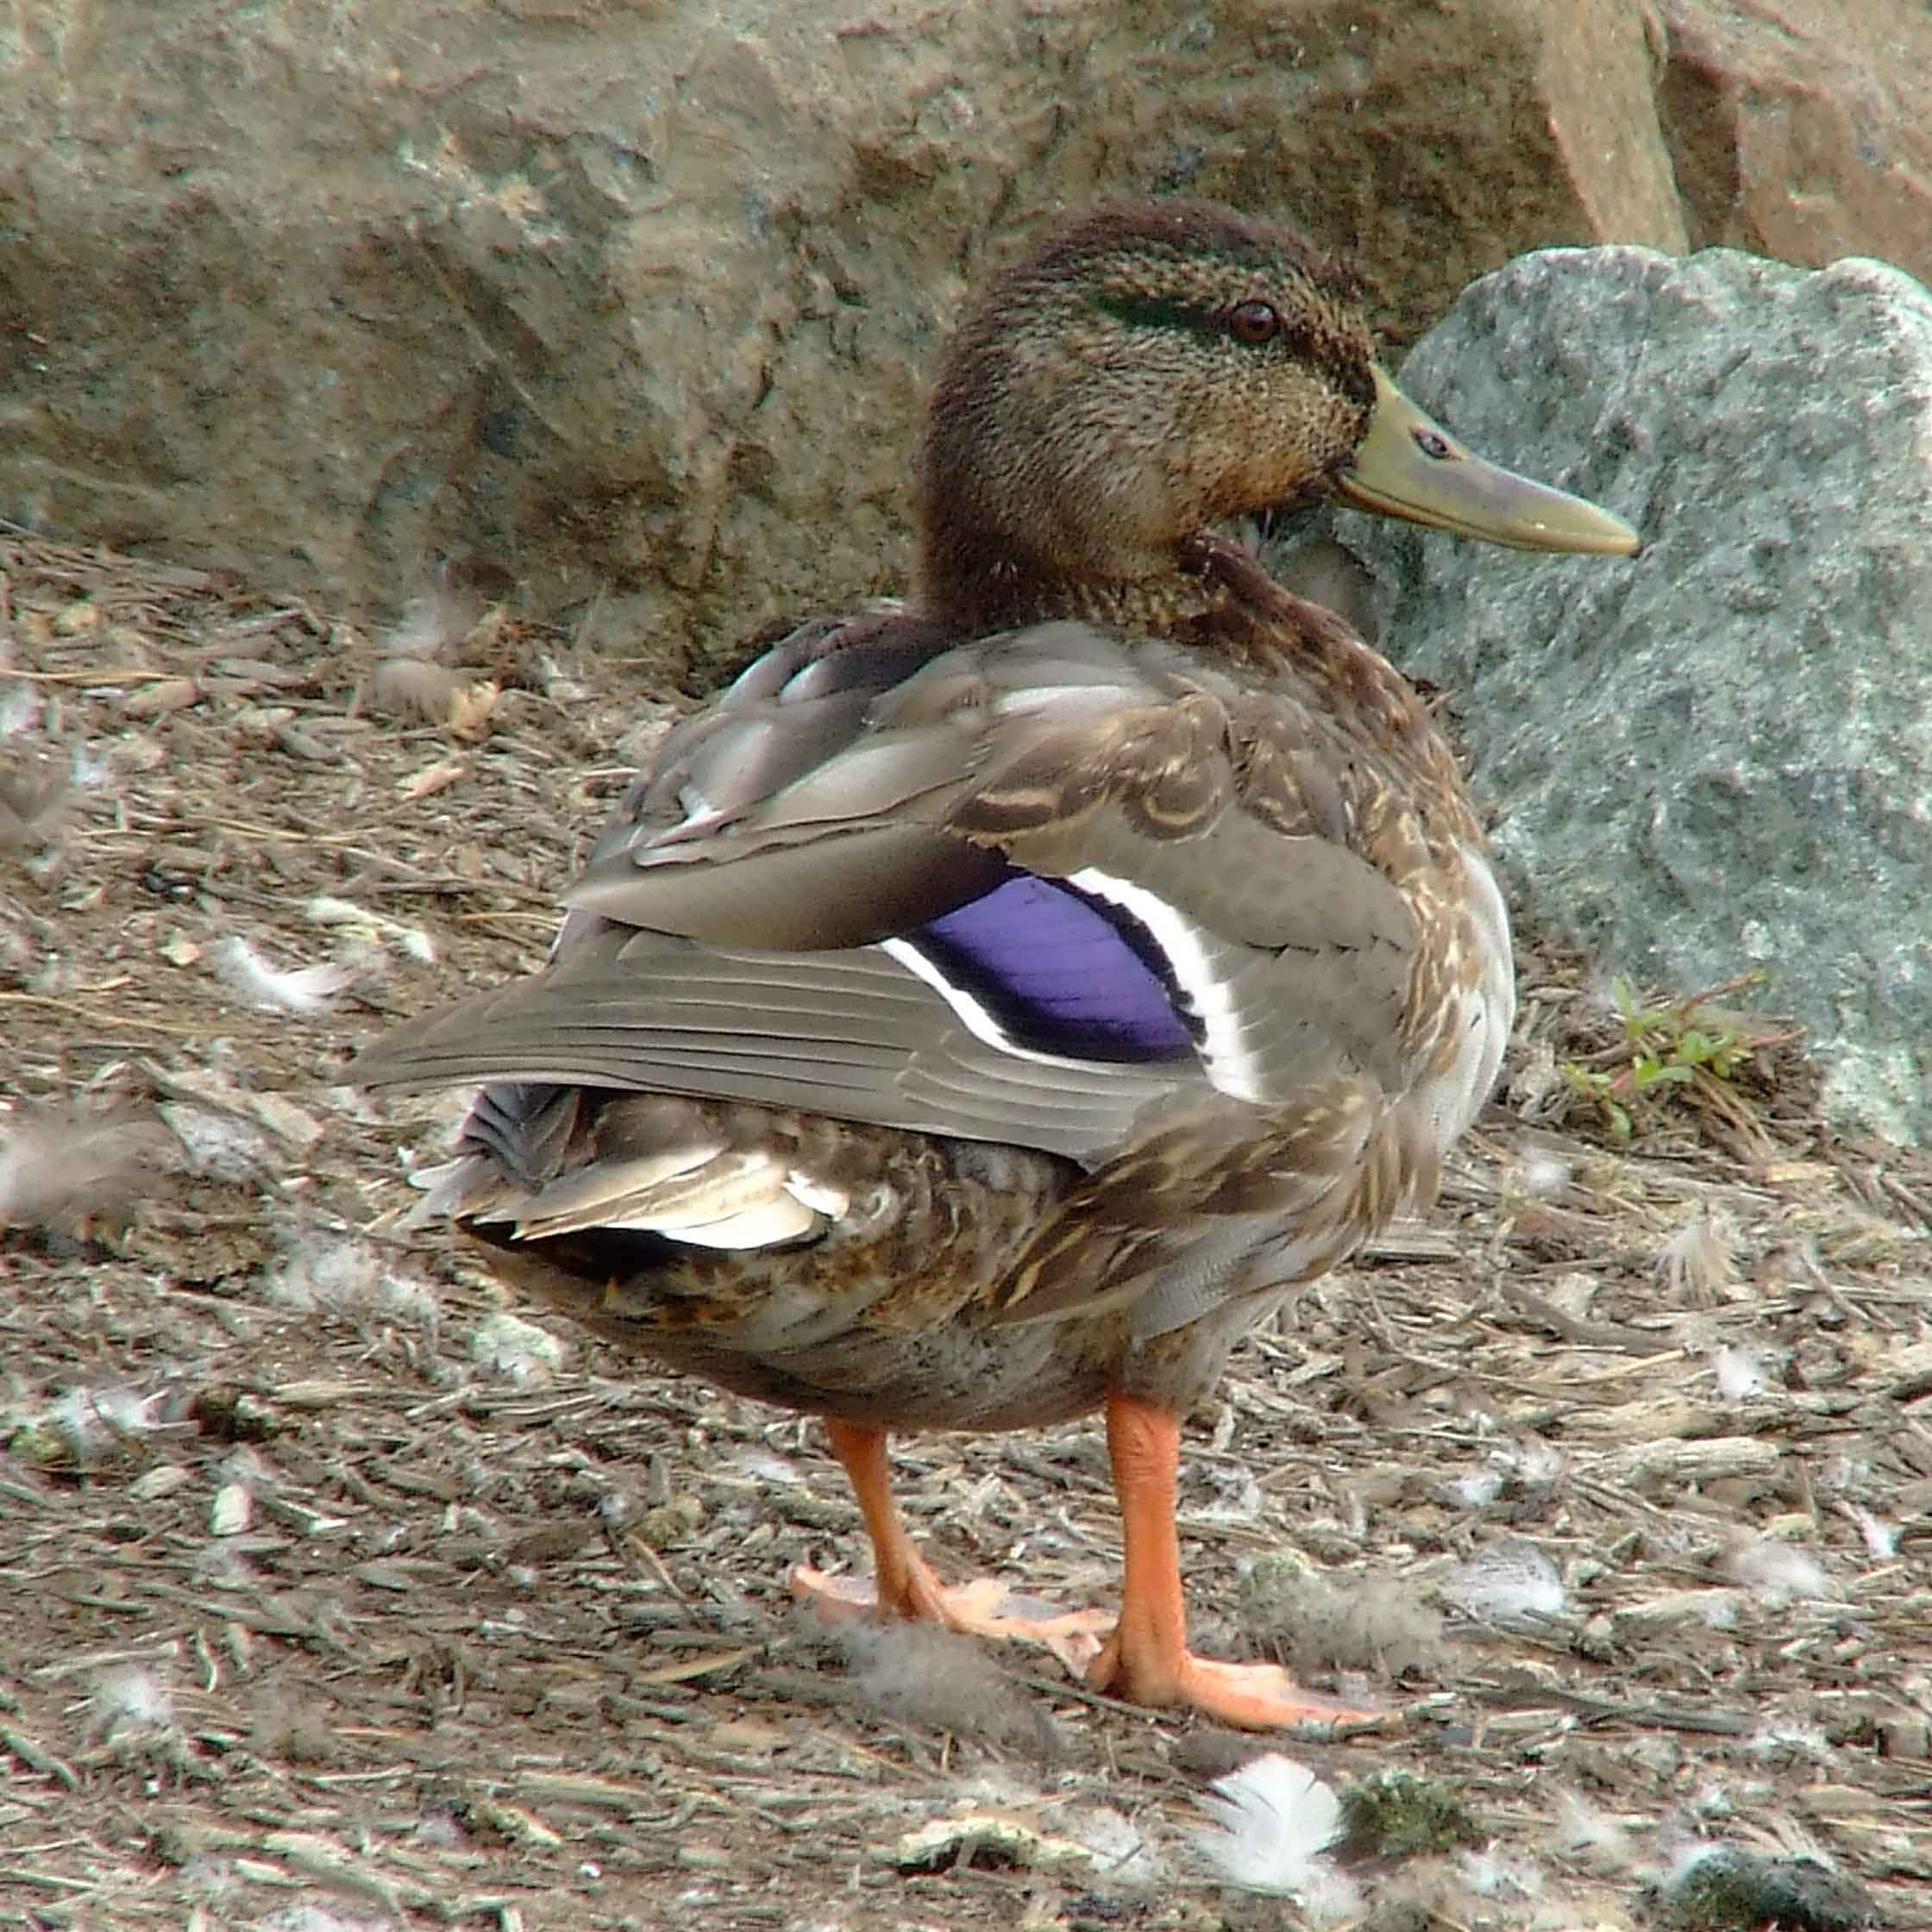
[[985, 1012]]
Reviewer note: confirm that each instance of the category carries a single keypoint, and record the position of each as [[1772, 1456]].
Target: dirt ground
[[335, 1593]]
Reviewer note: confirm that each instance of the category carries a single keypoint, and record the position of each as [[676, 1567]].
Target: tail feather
[[712, 1196]]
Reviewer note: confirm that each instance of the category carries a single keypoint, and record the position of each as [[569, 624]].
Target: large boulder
[[1718, 756], [1801, 129], [637, 304], [633, 306]]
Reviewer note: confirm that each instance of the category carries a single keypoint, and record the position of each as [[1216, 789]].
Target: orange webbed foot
[[1250, 1696], [1147, 1661], [906, 1588], [983, 1608]]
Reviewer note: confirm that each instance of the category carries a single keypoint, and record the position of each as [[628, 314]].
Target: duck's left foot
[[1251, 1697], [1147, 1660], [983, 1608]]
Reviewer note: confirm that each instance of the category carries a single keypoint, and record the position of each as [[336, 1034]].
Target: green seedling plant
[[1687, 1045]]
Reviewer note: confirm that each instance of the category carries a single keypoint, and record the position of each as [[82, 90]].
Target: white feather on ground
[[1123, 1853], [1522, 1469], [1776, 1569], [417, 679], [1273, 1821], [1544, 1174], [348, 1278], [1512, 1583], [1881, 1538], [1498, 1875], [1743, 1371], [134, 1701], [298, 990], [89, 1424], [371, 928], [432, 627], [1700, 1259]]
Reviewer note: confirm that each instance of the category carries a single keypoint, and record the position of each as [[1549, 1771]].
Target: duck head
[[1158, 368]]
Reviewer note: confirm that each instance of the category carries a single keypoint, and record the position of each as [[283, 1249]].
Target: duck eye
[[1435, 447], [1254, 323]]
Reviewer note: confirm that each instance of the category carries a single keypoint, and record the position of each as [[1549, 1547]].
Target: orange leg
[[906, 1588], [1147, 1660]]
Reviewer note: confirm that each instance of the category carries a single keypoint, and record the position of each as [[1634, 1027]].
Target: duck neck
[[1271, 631], [974, 597]]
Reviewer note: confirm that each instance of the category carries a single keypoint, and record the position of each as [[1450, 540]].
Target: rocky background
[[1716, 760], [625, 312], [638, 301]]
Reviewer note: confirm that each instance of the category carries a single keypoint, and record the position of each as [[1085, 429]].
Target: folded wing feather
[[1009, 890]]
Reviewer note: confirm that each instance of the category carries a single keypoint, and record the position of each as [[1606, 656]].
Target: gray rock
[[1719, 755], [637, 304]]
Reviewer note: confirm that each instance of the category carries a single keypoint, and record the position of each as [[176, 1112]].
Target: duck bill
[[1409, 466]]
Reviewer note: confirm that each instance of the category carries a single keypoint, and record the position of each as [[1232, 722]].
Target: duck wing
[[1044, 888]]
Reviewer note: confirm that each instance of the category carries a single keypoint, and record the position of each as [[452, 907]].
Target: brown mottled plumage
[[985, 1014]]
